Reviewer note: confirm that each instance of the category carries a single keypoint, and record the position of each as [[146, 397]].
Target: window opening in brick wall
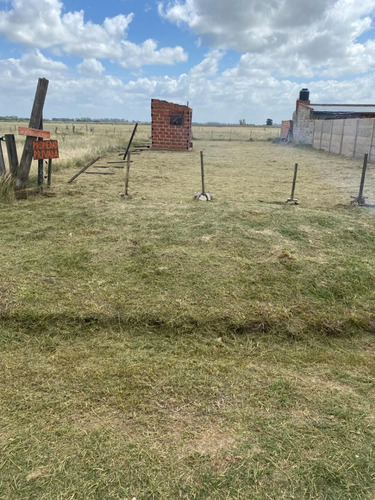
[[177, 118]]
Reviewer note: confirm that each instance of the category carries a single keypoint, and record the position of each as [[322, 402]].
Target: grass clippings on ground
[[162, 348]]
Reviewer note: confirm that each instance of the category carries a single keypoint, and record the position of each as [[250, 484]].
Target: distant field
[[78, 140], [162, 348]]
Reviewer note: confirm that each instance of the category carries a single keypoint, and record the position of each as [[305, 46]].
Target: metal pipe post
[[127, 176], [294, 181], [49, 175], [202, 173], [361, 200], [40, 162]]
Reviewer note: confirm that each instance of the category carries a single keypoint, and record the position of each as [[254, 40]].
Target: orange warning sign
[[34, 132], [45, 150]]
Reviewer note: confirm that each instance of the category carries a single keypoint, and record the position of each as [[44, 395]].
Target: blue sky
[[231, 59]]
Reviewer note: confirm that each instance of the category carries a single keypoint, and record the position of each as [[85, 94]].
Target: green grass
[[161, 348]]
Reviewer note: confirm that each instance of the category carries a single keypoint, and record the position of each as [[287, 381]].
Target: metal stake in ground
[[202, 195], [127, 176], [49, 174], [40, 162], [202, 174], [291, 199], [361, 200]]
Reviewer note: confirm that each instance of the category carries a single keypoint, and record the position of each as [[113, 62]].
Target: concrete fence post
[[355, 138], [371, 140]]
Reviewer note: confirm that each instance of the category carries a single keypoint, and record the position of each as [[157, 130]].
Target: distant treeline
[[218, 124], [122, 120], [12, 119], [93, 120], [85, 120]]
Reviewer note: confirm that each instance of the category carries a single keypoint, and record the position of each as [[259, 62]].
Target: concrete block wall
[[344, 136], [303, 125], [171, 125], [349, 137]]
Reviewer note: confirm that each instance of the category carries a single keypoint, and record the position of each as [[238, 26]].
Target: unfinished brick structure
[[171, 125]]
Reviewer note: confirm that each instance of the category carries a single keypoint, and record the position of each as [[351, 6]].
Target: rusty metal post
[[361, 200], [294, 181], [202, 173], [49, 175], [127, 176], [40, 162]]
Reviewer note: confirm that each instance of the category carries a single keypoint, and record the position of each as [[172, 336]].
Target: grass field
[[162, 348]]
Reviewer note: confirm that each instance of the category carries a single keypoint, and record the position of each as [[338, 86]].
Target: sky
[[230, 59]]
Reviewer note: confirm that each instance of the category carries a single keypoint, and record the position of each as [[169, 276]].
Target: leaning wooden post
[[12, 154], [83, 169], [202, 173], [35, 119], [2, 162]]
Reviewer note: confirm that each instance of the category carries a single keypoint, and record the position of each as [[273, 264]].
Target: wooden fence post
[[35, 120], [2, 162], [12, 154], [83, 169]]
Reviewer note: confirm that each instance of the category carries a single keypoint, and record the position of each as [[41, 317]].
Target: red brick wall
[[166, 135], [286, 129]]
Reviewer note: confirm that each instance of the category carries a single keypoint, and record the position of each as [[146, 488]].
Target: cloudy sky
[[231, 59]]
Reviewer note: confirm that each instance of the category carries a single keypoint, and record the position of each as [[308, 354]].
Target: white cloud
[[146, 54], [91, 67], [209, 66], [241, 92], [275, 48], [31, 64], [289, 37], [42, 24]]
